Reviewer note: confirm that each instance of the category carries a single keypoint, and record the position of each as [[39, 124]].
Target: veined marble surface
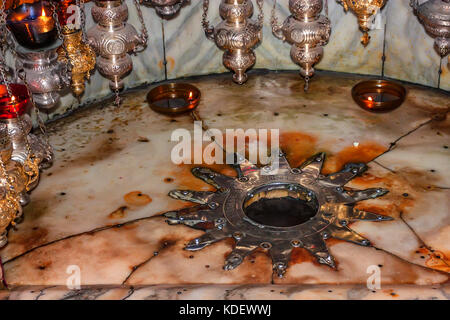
[[231, 292], [98, 207]]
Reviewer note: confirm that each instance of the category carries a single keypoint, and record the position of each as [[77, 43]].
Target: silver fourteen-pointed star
[[224, 213]]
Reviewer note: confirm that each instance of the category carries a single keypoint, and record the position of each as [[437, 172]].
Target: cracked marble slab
[[98, 206], [231, 292]]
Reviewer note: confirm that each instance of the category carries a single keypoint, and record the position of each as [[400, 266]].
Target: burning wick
[[43, 12], [191, 94], [370, 99]]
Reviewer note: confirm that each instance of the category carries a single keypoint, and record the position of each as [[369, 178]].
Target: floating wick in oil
[[379, 95], [173, 98]]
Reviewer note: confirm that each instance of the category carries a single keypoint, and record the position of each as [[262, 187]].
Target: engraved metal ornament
[[166, 8], [364, 10], [435, 17], [237, 35], [12, 186], [39, 148], [17, 178], [223, 210], [46, 76], [81, 58], [307, 30], [113, 39]]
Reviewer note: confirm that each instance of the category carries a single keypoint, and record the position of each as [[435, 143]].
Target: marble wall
[[178, 48]]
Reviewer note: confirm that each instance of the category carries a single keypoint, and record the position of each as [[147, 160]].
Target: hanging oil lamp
[[435, 17], [16, 178], [114, 40], [14, 115], [13, 193], [75, 50], [32, 24], [237, 34], [165, 8], [307, 30], [10, 209], [46, 76], [364, 10], [35, 29]]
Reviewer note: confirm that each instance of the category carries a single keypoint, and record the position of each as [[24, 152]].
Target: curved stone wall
[[178, 48]]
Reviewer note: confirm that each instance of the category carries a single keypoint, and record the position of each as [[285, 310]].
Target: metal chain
[[80, 6], [4, 77], [23, 76], [2, 61], [326, 8], [276, 28], [260, 4], [144, 31], [117, 100], [67, 64], [205, 23]]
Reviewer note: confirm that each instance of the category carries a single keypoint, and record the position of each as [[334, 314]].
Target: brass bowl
[[173, 98], [379, 95]]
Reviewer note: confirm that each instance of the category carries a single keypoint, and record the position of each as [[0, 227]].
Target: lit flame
[[43, 13], [370, 99], [13, 99], [191, 95]]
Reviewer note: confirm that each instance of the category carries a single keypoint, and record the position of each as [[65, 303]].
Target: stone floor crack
[[129, 294], [393, 144], [136, 267], [384, 167], [99, 229], [409, 262], [42, 292]]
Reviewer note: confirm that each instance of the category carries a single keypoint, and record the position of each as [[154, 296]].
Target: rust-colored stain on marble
[[299, 146], [170, 62], [34, 237], [137, 198], [132, 199], [118, 213], [435, 259], [364, 152]]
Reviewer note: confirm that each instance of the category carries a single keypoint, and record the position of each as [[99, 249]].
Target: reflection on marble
[[230, 292], [98, 207]]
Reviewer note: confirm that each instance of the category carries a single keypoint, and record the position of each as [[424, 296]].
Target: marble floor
[[98, 208]]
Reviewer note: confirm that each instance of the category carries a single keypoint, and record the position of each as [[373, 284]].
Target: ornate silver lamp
[[35, 29], [307, 30], [166, 8], [113, 40], [237, 35], [435, 17], [46, 75]]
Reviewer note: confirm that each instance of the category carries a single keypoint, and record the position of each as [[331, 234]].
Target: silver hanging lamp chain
[[144, 32]]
